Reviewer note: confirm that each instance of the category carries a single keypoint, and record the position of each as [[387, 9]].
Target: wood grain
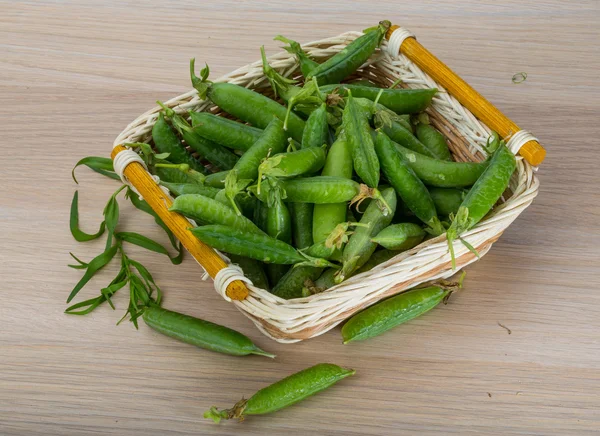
[[73, 74]]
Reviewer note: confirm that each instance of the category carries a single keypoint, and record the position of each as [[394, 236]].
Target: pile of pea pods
[[322, 182]]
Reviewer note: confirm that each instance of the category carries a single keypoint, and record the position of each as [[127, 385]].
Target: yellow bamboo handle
[[532, 151], [155, 197]]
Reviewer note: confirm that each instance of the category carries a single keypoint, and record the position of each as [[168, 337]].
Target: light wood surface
[[73, 74]]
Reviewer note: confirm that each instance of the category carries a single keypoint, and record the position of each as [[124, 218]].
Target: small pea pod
[[245, 104], [327, 216], [166, 141], [440, 173], [433, 140], [208, 210], [246, 170], [295, 163], [358, 134], [291, 284], [253, 269], [394, 311], [203, 334], [279, 226], [377, 111], [306, 63], [190, 188], [347, 61], [403, 236], [216, 180], [403, 136], [360, 247], [447, 200], [401, 101], [408, 186], [284, 393], [211, 151], [316, 131], [254, 245], [223, 131], [302, 218], [483, 195]]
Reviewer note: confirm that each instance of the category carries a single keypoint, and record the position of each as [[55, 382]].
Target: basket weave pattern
[[303, 318]]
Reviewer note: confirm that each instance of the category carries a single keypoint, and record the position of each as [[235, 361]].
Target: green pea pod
[[166, 141], [483, 195], [403, 236], [360, 247], [394, 311], [403, 136], [291, 284], [302, 218], [379, 112], [203, 334], [325, 281], [216, 180], [208, 210], [173, 175], [284, 393], [401, 101], [441, 173], [433, 140], [406, 183], [253, 269], [306, 64], [246, 169], [223, 131], [376, 258], [447, 200], [316, 131], [358, 134], [279, 226], [190, 188], [245, 104], [327, 216], [347, 61], [211, 151], [295, 163], [254, 245]]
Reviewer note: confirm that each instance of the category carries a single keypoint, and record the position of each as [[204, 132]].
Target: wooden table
[[73, 74]]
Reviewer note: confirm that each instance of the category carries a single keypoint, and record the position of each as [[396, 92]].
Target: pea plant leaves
[[101, 165], [143, 290]]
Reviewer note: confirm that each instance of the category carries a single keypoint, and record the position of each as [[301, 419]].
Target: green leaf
[[150, 283], [162, 156], [102, 165], [78, 234], [96, 264], [145, 207], [147, 243], [111, 215], [82, 264]]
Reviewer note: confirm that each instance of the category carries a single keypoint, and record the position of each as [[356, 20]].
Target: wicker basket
[[303, 318]]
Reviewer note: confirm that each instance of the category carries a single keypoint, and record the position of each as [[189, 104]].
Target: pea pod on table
[[223, 131], [396, 310], [245, 104], [347, 61], [203, 334], [284, 393]]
